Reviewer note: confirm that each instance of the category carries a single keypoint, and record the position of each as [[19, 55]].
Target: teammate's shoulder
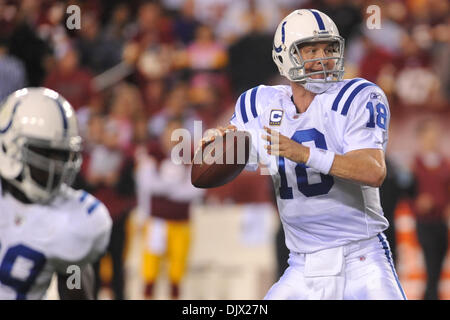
[[253, 102], [85, 223], [84, 208], [345, 92]]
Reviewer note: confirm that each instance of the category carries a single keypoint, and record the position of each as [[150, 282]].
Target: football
[[221, 160]]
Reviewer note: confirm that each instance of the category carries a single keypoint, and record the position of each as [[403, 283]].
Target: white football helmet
[[40, 147], [306, 26]]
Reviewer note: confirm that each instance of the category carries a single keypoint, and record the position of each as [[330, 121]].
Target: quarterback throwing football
[[323, 139]]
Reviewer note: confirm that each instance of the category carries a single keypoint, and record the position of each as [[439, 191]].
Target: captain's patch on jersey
[[275, 117]]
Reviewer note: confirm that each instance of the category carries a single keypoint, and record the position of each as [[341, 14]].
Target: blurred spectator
[[8, 12], [210, 11], [416, 84], [51, 27], [119, 27], [439, 35], [210, 98], [205, 52], [185, 23], [154, 94], [398, 185], [12, 71], [97, 51], [347, 15], [431, 206], [387, 38], [374, 60], [107, 173], [95, 107], [165, 193], [176, 107], [248, 65], [71, 81], [26, 45], [239, 18], [153, 21], [390, 34], [150, 50], [126, 107]]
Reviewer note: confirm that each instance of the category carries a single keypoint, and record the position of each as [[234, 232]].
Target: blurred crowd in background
[[135, 70]]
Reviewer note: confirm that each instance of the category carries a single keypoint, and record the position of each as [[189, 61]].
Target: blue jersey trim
[[83, 196], [387, 252], [342, 92], [243, 112], [353, 95], [253, 101], [93, 206]]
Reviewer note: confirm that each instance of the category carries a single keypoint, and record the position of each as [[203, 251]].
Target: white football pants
[[361, 270]]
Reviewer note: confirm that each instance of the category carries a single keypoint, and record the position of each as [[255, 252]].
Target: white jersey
[[319, 211], [38, 240]]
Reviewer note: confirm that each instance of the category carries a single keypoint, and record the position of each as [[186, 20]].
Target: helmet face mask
[[49, 167], [302, 28], [40, 148], [299, 72]]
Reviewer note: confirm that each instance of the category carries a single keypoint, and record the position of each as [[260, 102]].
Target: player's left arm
[[364, 141], [86, 290], [364, 166]]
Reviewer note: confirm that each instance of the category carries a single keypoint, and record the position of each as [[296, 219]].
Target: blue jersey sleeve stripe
[[83, 196], [93, 206], [243, 111], [353, 95], [342, 92], [318, 19], [253, 101]]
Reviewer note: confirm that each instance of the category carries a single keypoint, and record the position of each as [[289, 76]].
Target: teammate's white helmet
[[305, 26], [39, 143]]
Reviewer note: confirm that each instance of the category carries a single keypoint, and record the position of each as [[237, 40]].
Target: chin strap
[[317, 87]]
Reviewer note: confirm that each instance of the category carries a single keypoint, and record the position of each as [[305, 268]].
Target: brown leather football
[[221, 160]]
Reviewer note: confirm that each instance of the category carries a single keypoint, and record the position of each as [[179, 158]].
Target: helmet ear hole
[[4, 148], [280, 58]]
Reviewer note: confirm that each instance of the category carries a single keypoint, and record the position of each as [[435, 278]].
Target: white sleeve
[[245, 112], [368, 121], [102, 238], [84, 238]]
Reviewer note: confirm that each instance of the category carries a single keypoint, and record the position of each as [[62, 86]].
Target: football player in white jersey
[[45, 226], [323, 140]]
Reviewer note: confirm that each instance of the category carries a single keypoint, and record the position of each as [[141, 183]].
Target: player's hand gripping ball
[[220, 158]]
